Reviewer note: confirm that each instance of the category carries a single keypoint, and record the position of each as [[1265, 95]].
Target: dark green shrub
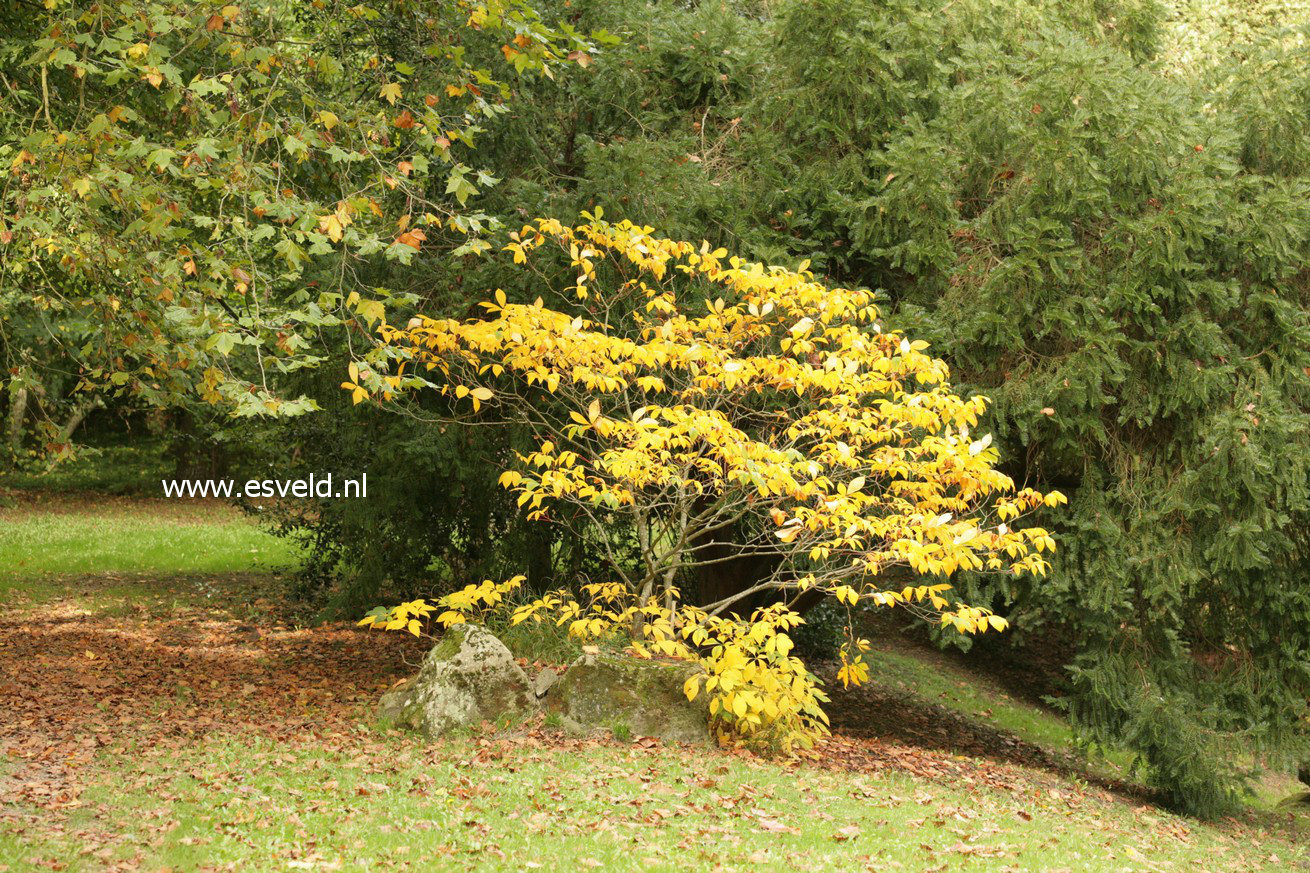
[[821, 636]]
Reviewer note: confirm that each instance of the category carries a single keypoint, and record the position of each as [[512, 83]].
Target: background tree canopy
[[1097, 212]]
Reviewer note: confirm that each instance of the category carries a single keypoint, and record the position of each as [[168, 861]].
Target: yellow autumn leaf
[[691, 687], [788, 534], [331, 225]]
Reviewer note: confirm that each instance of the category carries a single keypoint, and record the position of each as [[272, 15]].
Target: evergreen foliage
[[1124, 273]]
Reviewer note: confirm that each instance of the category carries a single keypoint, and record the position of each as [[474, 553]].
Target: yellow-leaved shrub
[[712, 409]]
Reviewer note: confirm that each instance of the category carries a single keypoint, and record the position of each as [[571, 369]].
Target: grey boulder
[[644, 697], [468, 678]]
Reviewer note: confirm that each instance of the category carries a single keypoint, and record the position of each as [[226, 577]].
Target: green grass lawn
[[919, 674], [937, 680], [45, 541], [385, 802]]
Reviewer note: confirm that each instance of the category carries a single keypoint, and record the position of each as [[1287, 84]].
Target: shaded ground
[[1033, 671], [896, 709], [890, 717], [875, 711], [81, 676]]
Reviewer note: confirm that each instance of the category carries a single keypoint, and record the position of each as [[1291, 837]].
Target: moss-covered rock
[[468, 678], [641, 697]]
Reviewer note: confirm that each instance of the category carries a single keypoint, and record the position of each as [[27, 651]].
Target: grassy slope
[[932, 677], [344, 795], [935, 678]]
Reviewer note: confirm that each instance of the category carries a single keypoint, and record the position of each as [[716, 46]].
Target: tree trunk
[[79, 414], [728, 575], [540, 563], [17, 412], [724, 575]]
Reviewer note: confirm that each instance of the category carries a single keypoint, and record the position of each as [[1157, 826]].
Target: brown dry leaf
[[776, 827]]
